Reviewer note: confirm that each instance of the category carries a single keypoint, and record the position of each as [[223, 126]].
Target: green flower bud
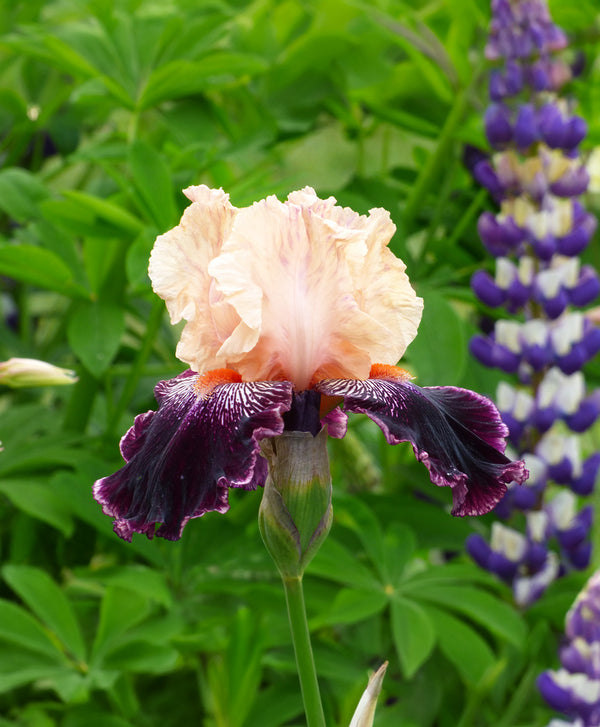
[[295, 512], [21, 372]]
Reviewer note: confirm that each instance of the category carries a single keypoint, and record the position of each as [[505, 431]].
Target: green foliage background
[[108, 108]]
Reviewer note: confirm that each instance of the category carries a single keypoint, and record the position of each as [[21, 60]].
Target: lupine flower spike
[[295, 312], [574, 689], [536, 176]]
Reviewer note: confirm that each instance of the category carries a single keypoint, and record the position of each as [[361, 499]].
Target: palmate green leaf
[[141, 657], [400, 545], [19, 667], [105, 210], [35, 497], [441, 329], [485, 609], [185, 78], [45, 598], [147, 582], [414, 634], [94, 332], [91, 717], [20, 194], [18, 627], [40, 267], [335, 562], [152, 179], [274, 706], [350, 606], [353, 513], [462, 645], [120, 610]]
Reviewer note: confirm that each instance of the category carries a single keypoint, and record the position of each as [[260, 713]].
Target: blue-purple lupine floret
[[574, 689], [535, 175]]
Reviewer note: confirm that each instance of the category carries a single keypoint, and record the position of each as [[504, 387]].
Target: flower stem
[[307, 673]]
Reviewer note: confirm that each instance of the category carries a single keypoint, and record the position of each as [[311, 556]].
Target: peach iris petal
[[381, 286], [300, 291], [301, 277], [179, 273]]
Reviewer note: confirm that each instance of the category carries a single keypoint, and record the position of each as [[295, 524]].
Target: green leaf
[[91, 717], [107, 211], [441, 329], [120, 610], [414, 635], [185, 78], [353, 513], [149, 583], [335, 562], [351, 606], [17, 626], [153, 184], [20, 194], [94, 332], [464, 647], [400, 544], [19, 667], [142, 657], [36, 498], [49, 603], [37, 266], [485, 609]]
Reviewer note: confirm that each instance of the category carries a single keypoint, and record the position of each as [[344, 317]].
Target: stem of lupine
[[305, 662]]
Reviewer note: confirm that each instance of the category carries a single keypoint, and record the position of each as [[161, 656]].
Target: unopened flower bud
[[295, 512], [20, 372]]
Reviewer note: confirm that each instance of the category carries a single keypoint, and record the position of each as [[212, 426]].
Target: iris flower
[[296, 313]]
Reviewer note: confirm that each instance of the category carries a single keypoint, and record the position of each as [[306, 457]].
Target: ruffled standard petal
[[182, 458], [179, 272], [456, 433]]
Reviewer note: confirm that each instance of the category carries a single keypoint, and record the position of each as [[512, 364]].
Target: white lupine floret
[[535, 332], [551, 447], [570, 395], [508, 542], [550, 282], [516, 401], [525, 588], [537, 468], [506, 272], [580, 685], [526, 271], [590, 652], [506, 396], [538, 224], [562, 509], [507, 334], [549, 388], [569, 267], [524, 405], [537, 525], [567, 330], [572, 451]]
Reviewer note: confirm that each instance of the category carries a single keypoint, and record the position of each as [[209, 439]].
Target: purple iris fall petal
[[456, 433], [182, 458]]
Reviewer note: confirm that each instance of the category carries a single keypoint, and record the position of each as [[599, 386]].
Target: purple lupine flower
[[535, 175], [292, 310], [574, 689]]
